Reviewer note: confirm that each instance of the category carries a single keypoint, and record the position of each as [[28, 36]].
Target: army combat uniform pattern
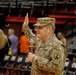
[[50, 55]]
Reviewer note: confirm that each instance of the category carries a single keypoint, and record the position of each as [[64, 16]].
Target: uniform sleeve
[[55, 62], [28, 32]]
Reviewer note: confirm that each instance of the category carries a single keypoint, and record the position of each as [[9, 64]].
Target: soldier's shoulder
[[57, 44]]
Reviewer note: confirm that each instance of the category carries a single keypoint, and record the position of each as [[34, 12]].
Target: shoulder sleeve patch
[[56, 56]]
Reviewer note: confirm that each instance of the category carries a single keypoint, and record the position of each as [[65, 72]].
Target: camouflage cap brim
[[38, 24]]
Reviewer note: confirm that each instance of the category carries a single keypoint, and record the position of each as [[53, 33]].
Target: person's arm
[[25, 28], [54, 64], [9, 41], [64, 41]]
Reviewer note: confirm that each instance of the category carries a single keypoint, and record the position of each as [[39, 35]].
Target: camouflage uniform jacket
[[50, 56]]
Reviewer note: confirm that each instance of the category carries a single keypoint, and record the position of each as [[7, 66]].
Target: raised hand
[[26, 21]]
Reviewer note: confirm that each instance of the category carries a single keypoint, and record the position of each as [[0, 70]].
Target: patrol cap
[[45, 21]]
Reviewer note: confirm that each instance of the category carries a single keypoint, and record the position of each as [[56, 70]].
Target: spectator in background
[[3, 44], [62, 38], [14, 41], [4, 47], [24, 44]]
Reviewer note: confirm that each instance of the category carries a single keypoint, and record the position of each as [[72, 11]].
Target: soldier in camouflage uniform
[[50, 53]]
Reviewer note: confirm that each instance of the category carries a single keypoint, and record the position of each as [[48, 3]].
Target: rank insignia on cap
[[56, 56]]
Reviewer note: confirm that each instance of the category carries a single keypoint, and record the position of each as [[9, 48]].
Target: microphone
[[32, 45]]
